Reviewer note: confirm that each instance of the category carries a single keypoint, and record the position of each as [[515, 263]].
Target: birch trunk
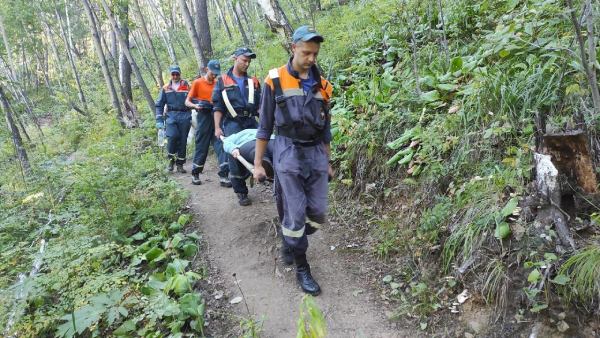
[[189, 25], [134, 66], [276, 18], [71, 58], [223, 20], [149, 43], [9, 54], [16, 136], [104, 65], [238, 22]]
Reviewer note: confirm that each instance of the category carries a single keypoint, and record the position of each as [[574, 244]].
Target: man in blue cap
[[295, 104], [179, 119], [200, 99], [236, 99]]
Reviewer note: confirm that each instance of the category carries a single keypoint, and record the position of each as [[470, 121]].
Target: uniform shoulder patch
[[274, 73]]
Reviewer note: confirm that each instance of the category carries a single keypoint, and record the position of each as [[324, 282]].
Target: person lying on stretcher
[[242, 145]]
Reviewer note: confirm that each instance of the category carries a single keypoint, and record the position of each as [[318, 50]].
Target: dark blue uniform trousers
[[301, 188], [177, 129], [237, 172], [205, 135]]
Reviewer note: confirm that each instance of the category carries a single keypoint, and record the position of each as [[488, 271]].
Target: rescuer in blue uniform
[[179, 118], [236, 99], [295, 105]]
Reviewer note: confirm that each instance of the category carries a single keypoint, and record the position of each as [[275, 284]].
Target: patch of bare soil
[[243, 241]]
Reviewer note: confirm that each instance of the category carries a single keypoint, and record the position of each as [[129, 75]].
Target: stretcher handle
[[246, 164]]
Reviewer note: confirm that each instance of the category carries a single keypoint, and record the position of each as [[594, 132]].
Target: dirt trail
[[242, 240]]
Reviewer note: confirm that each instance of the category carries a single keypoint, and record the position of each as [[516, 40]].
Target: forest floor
[[243, 241]]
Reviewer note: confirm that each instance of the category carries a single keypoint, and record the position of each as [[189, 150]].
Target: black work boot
[[196, 179], [243, 200], [287, 254], [171, 166], [180, 169], [305, 279], [225, 182]]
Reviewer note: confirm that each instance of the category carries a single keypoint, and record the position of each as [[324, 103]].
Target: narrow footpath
[[242, 240]]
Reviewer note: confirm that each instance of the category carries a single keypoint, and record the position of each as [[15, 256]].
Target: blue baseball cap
[[214, 66], [245, 51], [306, 33], [174, 69]]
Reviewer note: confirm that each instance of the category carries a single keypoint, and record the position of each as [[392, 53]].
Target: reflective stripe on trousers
[[301, 195], [177, 128]]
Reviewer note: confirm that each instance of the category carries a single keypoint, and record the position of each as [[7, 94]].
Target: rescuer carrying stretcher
[[295, 105]]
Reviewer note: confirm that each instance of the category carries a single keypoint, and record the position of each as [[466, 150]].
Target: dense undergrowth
[[441, 173], [115, 259], [443, 145]]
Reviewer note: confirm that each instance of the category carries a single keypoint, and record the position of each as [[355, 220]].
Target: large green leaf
[[125, 329], [430, 96], [179, 284], [189, 250], [154, 253], [456, 64], [190, 304], [510, 207], [534, 276], [502, 230], [177, 266]]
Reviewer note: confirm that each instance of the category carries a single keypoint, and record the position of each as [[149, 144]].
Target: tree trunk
[[69, 33], [238, 22], [44, 70], [164, 32], [16, 136], [124, 66], [189, 25], [223, 20], [277, 19], [240, 9], [57, 61], [9, 58], [17, 92], [71, 58], [148, 40], [125, 48], [143, 51], [444, 39], [104, 65], [114, 44], [203, 28], [22, 126], [589, 71], [592, 57], [130, 115], [294, 10]]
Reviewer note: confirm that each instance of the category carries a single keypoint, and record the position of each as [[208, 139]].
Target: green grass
[[583, 270], [496, 282]]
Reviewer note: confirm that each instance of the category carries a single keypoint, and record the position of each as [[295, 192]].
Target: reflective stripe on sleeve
[[250, 91], [292, 233], [228, 104]]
